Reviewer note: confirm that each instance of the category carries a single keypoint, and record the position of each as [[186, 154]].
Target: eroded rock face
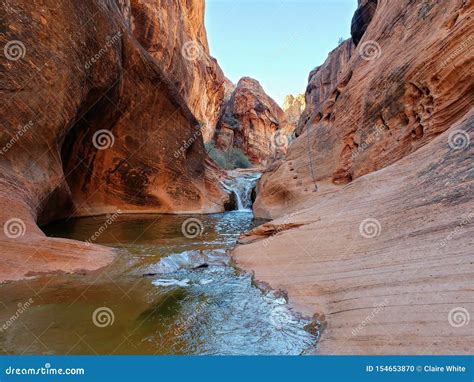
[[293, 106], [253, 122], [173, 32], [323, 82], [362, 18], [90, 124], [409, 79], [389, 253], [374, 201]]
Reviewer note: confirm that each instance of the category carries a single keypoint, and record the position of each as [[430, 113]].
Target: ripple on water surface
[[166, 294]]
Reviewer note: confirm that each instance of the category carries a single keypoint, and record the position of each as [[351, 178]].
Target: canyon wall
[[367, 106], [374, 201], [91, 124], [253, 122], [173, 32], [293, 106]]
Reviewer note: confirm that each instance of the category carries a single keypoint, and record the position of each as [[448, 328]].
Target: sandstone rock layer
[[385, 264], [253, 122], [90, 124], [374, 201], [409, 79], [173, 32]]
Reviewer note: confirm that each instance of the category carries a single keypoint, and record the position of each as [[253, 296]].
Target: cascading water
[[188, 298], [241, 186]]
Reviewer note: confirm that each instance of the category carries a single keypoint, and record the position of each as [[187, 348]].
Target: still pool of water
[[167, 293]]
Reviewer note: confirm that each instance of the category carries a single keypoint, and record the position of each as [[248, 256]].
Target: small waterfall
[[241, 186]]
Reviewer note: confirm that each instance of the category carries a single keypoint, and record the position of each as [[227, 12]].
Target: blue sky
[[277, 42]]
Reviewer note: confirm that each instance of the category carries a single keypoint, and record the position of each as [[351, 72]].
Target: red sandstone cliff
[[293, 106], [407, 81], [90, 124], [173, 32], [374, 201], [253, 122]]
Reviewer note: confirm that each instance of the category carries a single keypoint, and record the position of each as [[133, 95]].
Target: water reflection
[[169, 294]]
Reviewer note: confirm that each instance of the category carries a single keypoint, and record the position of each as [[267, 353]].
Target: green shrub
[[230, 159]]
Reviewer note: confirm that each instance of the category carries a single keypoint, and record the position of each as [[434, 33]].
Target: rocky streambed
[[172, 290]]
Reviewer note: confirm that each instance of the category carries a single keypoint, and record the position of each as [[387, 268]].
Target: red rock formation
[[173, 32], [293, 106], [385, 262], [90, 124], [253, 122], [408, 80], [362, 18], [323, 80]]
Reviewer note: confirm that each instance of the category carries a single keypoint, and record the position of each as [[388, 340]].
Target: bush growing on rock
[[229, 159]]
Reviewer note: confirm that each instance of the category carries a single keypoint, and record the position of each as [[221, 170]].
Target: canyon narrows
[[123, 140]]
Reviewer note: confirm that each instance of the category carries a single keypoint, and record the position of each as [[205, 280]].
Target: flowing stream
[[241, 187], [172, 290]]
